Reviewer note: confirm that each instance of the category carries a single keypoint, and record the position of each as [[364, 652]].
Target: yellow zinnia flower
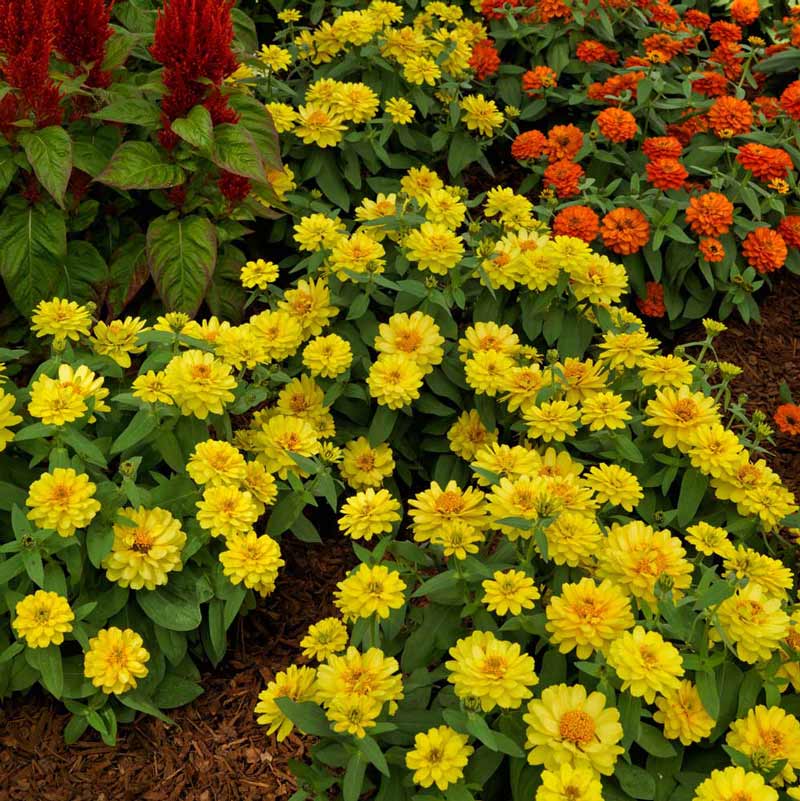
[[115, 660], [63, 501], [42, 619]]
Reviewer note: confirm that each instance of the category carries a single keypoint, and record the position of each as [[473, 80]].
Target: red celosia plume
[[27, 34], [193, 41], [82, 33]]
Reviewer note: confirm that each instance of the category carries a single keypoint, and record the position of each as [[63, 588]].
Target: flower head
[[438, 757], [63, 501], [42, 619], [115, 660]]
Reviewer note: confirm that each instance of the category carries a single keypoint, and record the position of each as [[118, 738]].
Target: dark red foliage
[[193, 41], [234, 188], [82, 33], [27, 34]]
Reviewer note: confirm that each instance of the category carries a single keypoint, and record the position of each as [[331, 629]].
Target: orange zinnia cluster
[[787, 418], [611, 90], [529, 145], [765, 162], [563, 142], [578, 221], [710, 214], [652, 304], [485, 59], [538, 78], [789, 229], [790, 100], [625, 231], [745, 12], [591, 51], [765, 250], [564, 176], [730, 116], [617, 124]]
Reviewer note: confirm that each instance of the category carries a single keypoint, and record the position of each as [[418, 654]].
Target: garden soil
[[769, 355], [215, 751]]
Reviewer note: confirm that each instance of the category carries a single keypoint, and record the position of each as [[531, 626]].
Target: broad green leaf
[[182, 253], [132, 111], [86, 271], [144, 422], [140, 165], [235, 150], [128, 272], [33, 249], [175, 691], [693, 488], [174, 606], [307, 716], [49, 152], [196, 128], [48, 662]]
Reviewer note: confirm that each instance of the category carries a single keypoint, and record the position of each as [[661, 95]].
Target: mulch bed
[[216, 751], [769, 355]]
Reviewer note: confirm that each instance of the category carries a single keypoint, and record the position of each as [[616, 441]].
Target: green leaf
[[196, 128], [139, 165], [175, 691], [707, 690], [636, 782], [285, 513], [48, 662], [381, 426], [653, 741], [132, 111], [49, 152], [307, 716], [8, 168], [85, 271], [235, 150], [258, 122], [174, 606], [182, 253], [33, 248], [134, 699], [693, 488], [354, 778], [372, 751], [128, 273], [144, 422]]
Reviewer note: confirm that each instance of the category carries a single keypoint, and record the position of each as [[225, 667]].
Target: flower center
[[201, 372], [142, 541], [365, 462], [449, 503], [576, 726], [685, 410], [494, 666]]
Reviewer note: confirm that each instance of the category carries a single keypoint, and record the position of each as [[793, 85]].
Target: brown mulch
[[216, 751], [769, 355]]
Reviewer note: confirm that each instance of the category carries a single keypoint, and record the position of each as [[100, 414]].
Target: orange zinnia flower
[[770, 107], [711, 249], [765, 162], [564, 142], [625, 230], [697, 19], [710, 214], [578, 221], [529, 145], [533, 81], [764, 249], [721, 31], [653, 303], [787, 418], [617, 124], [590, 51], [662, 147], [730, 116], [745, 11], [790, 100], [789, 229], [564, 176], [666, 173], [712, 84], [485, 59]]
